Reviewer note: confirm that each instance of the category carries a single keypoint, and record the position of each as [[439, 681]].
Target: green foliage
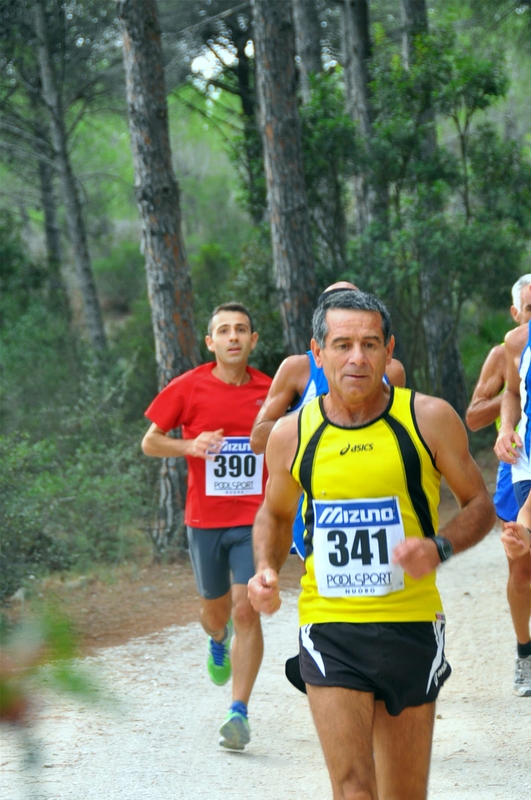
[[26, 548], [20, 277], [253, 285], [74, 498], [133, 347], [500, 179], [211, 268], [247, 155], [40, 373], [466, 210], [120, 277]]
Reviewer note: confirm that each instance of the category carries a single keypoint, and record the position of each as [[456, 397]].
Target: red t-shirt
[[228, 491]]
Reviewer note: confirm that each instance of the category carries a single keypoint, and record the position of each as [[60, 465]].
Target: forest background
[[397, 141]]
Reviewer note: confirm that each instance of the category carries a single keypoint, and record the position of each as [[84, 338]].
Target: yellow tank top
[[365, 490]]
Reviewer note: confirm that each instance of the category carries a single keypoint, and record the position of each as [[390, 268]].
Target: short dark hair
[[351, 301], [230, 306]]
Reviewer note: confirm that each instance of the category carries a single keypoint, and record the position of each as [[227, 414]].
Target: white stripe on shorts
[[309, 646], [438, 629]]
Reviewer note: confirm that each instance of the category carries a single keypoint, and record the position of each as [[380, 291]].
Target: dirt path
[[162, 744]]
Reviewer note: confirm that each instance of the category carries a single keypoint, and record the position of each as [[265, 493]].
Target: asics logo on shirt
[[356, 448]]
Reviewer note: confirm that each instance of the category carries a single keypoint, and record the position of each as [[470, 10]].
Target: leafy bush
[[74, 499], [121, 277]]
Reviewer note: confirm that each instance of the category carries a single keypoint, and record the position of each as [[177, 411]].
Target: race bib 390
[[353, 542], [235, 470]]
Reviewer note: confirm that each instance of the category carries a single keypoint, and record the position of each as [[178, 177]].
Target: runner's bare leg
[[248, 644], [402, 750]]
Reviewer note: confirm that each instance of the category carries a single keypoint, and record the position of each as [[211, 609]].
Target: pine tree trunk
[[57, 293], [372, 203], [74, 214], [445, 367], [245, 73], [328, 213], [357, 52], [274, 42], [168, 276], [308, 42]]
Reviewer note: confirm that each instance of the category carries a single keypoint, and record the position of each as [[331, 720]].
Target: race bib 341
[[353, 542]]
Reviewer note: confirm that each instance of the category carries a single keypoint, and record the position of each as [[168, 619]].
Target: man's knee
[[243, 614], [215, 613]]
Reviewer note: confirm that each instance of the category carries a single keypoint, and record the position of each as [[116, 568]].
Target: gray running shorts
[[401, 663], [216, 553]]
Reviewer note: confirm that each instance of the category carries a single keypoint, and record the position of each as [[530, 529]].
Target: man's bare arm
[[272, 529], [446, 437], [510, 412], [158, 443], [288, 384], [485, 404]]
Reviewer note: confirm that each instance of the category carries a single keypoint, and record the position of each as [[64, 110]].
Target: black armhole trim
[[413, 472], [305, 475], [299, 425], [416, 426]]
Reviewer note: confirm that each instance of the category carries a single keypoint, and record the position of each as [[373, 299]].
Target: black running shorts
[[401, 663], [215, 553]]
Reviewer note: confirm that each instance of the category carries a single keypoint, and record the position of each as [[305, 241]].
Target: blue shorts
[[504, 497], [215, 553], [521, 491]]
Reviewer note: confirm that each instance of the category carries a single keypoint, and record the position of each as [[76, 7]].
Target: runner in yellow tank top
[[387, 467], [368, 459]]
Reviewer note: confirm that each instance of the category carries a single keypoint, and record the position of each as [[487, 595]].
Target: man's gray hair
[[349, 301], [516, 291]]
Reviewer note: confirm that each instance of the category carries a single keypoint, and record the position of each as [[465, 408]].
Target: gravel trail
[[161, 743]]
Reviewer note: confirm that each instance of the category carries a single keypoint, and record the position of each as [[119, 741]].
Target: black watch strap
[[444, 548]]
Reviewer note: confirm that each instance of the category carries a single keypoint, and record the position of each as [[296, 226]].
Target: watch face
[[445, 549]]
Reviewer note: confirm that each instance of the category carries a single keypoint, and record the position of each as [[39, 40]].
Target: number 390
[[234, 465]]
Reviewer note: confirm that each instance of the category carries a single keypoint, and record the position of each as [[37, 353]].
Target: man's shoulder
[[432, 412], [496, 354], [192, 376], [296, 369], [516, 339], [283, 430]]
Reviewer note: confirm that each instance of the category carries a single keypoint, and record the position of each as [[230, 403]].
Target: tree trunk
[[245, 74], [328, 213], [56, 289], [168, 276], [274, 42], [357, 52], [445, 367], [414, 21], [308, 41], [74, 215], [372, 203]]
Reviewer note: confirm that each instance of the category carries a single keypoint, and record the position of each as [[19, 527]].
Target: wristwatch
[[444, 548]]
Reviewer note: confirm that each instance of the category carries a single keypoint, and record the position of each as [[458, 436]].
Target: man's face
[[354, 356], [231, 340], [525, 314]]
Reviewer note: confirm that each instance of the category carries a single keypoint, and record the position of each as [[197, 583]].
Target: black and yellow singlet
[[365, 490]]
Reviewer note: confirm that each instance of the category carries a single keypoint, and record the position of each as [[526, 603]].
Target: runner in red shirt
[[215, 406]]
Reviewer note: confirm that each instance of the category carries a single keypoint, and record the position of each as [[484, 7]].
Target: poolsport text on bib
[[235, 470], [353, 542]]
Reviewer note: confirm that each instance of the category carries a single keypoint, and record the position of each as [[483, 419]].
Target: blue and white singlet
[[521, 471]]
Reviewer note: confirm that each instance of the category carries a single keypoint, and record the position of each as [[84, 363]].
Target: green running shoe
[[235, 732], [218, 661]]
